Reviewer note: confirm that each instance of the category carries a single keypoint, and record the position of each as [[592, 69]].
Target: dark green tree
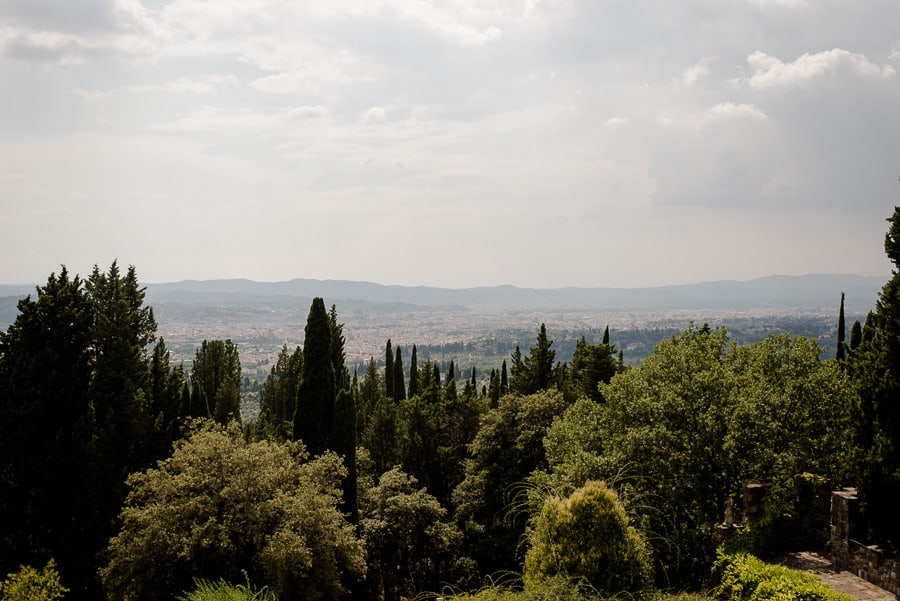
[[217, 373], [508, 446], [278, 397], [413, 373], [343, 442], [876, 370], [504, 379], [388, 370], [841, 352], [855, 335], [591, 365], [45, 429], [318, 390], [535, 372], [399, 385]]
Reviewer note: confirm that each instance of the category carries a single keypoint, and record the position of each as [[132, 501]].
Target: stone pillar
[[844, 525]]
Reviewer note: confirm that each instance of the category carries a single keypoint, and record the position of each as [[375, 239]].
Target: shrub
[[207, 590], [30, 585], [587, 536], [747, 578]]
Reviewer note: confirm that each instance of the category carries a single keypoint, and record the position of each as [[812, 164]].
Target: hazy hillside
[[782, 293], [810, 291]]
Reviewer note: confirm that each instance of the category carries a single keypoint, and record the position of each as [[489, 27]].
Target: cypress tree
[[605, 335], [474, 379], [437, 374], [399, 385], [841, 353], [317, 393], [388, 370], [504, 379], [343, 442], [413, 373], [338, 356], [855, 335]]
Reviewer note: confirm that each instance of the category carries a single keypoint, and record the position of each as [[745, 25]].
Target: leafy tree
[[587, 536], [220, 506], [708, 415], [217, 374], [317, 393], [382, 435], [30, 585], [506, 449], [411, 544]]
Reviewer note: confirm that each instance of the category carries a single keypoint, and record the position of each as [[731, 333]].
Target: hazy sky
[[453, 143]]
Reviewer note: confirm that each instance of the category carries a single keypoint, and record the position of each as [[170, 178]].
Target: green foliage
[[746, 578], [587, 536], [318, 386], [217, 373], [875, 366], [411, 546], [28, 584], [278, 399], [593, 364], [507, 448], [682, 432], [207, 590], [220, 505], [534, 372]]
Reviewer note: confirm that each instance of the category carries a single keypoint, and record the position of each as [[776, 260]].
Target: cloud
[[616, 122], [215, 119], [204, 84], [770, 72], [693, 73], [788, 4], [720, 113]]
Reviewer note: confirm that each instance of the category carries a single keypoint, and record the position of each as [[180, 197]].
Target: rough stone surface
[[840, 580]]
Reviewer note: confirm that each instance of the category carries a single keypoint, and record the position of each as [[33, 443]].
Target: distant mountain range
[[777, 292]]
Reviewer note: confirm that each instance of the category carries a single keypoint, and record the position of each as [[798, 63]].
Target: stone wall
[[848, 553]]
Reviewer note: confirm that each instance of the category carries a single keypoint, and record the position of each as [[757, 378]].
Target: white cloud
[[375, 114], [723, 112], [692, 74], [205, 84], [215, 119], [616, 122], [770, 72], [788, 4]]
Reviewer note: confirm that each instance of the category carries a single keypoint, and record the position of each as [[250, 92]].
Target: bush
[[746, 578], [207, 590], [587, 536], [30, 585]]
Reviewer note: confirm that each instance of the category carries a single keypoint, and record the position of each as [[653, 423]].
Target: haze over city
[[455, 144]]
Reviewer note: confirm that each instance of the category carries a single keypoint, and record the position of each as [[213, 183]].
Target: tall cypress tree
[[855, 335], [504, 379], [399, 385], [413, 373], [317, 393], [605, 335], [841, 353], [388, 370], [343, 442]]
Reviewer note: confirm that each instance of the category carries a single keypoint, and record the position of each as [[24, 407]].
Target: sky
[[451, 143]]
